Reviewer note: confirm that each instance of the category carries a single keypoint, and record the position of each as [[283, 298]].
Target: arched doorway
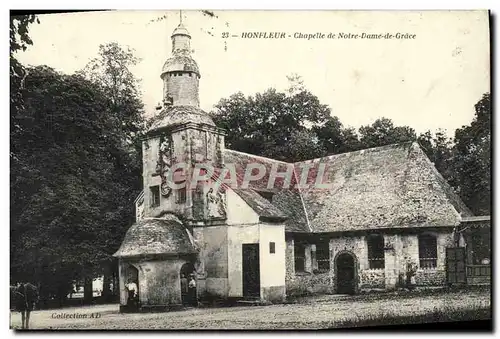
[[188, 293], [345, 271]]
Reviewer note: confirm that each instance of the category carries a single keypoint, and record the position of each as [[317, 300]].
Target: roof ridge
[[389, 146], [258, 156]]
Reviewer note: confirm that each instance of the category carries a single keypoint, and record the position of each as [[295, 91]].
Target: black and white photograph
[[250, 170]]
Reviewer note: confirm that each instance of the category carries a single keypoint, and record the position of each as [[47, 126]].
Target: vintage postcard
[[200, 169]]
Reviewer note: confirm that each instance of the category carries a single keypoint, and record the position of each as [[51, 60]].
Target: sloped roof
[[285, 200], [241, 160], [181, 30], [177, 115], [265, 209], [152, 236], [180, 63], [383, 187], [394, 186], [290, 203]]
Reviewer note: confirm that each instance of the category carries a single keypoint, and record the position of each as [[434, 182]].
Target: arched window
[[427, 251], [376, 254]]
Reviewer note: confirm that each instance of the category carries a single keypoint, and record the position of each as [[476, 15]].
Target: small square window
[[272, 247]]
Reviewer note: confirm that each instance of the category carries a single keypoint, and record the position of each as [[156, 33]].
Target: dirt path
[[311, 313]]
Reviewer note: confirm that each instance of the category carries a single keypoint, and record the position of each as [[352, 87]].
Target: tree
[[383, 132], [272, 123], [111, 70], [58, 177], [19, 41], [73, 183], [438, 148], [472, 158], [335, 138], [302, 145]]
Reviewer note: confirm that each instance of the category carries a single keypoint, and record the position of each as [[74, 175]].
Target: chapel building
[[386, 208]]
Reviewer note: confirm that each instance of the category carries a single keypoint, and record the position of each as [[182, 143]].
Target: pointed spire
[[180, 17]]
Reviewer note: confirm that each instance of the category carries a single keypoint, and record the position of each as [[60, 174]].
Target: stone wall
[[309, 283], [371, 279], [188, 146], [213, 260], [158, 281], [400, 249], [430, 277], [183, 88]]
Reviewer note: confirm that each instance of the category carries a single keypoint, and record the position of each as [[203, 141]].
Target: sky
[[430, 82]]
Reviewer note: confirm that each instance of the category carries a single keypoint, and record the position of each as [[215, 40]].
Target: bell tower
[[180, 73], [181, 143]]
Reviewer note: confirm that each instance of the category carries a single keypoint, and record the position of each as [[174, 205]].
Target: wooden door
[[251, 270]]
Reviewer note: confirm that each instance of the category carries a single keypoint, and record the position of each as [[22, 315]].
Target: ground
[[325, 311]]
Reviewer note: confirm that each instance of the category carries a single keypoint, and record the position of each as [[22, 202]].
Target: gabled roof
[[154, 236], [286, 201], [290, 203], [393, 186], [241, 160], [265, 209]]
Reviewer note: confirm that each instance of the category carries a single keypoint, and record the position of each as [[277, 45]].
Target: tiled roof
[[385, 187], [394, 186], [260, 205], [180, 30], [241, 160], [289, 201], [180, 63], [391, 186], [151, 236], [177, 115]]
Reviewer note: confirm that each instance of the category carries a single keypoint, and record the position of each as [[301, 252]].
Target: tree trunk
[[106, 283], [87, 291]]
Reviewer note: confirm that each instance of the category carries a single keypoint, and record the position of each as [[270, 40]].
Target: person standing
[[132, 295], [193, 300], [411, 270], [24, 296]]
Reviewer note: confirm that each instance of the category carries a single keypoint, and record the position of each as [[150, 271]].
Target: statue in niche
[[163, 165], [216, 204]]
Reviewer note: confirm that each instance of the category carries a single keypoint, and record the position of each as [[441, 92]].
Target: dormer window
[[266, 195]]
